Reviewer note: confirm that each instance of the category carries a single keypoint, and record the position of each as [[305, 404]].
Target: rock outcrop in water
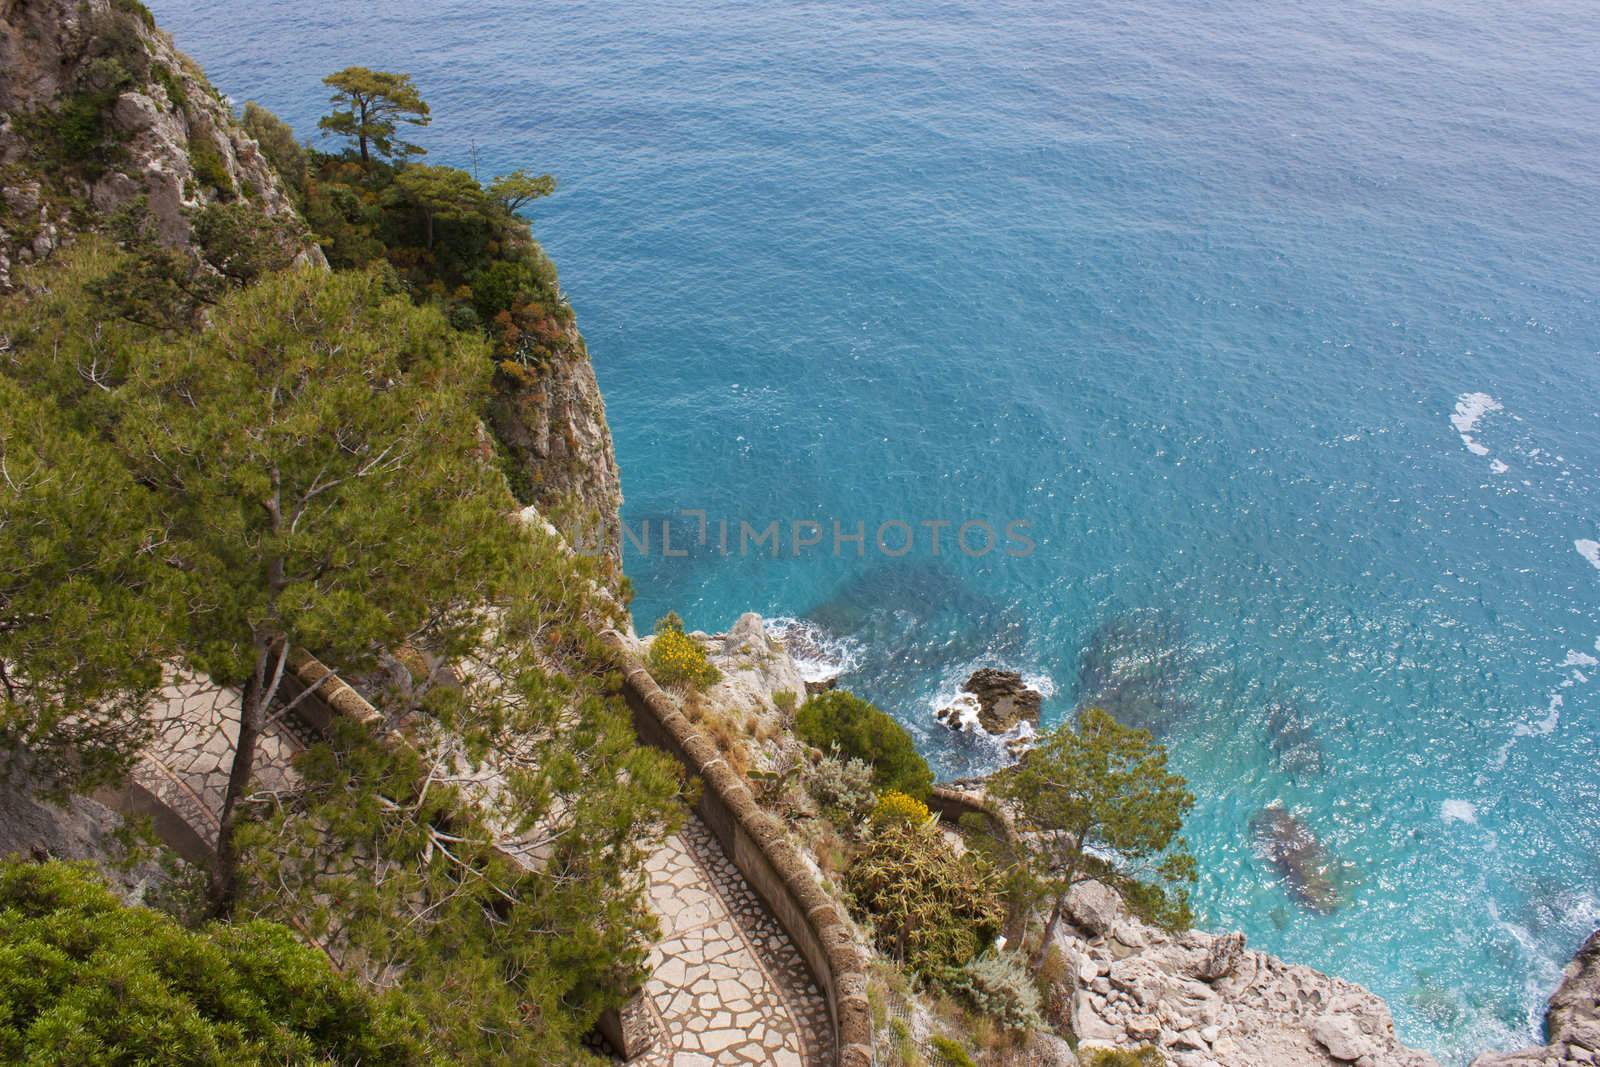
[[1208, 1001], [1571, 1022], [998, 701]]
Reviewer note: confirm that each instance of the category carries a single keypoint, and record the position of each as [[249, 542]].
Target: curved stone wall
[[756, 843]]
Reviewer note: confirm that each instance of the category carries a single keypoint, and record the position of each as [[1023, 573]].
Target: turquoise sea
[[1276, 322]]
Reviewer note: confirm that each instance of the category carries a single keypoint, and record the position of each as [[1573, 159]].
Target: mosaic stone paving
[[186, 766], [727, 985]]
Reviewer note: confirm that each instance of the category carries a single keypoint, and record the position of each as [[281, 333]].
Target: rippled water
[[1277, 322]]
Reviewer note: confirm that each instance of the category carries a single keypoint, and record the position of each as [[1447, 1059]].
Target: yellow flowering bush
[[896, 807], [676, 657]]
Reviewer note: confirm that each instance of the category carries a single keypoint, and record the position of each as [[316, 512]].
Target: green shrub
[[1143, 1056], [952, 1051], [841, 720], [209, 169], [785, 700], [675, 658], [279, 146], [929, 907], [999, 986], [137, 10], [164, 77], [84, 979], [843, 787]]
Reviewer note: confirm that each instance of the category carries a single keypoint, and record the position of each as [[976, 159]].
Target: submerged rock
[[1132, 667], [1294, 851], [1295, 747]]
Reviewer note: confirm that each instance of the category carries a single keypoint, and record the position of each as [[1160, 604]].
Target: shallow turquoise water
[[1196, 290]]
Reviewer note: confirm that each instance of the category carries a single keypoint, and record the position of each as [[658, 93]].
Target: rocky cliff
[[97, 108], [1571, 1022], [1208, 1001], [553, 429]]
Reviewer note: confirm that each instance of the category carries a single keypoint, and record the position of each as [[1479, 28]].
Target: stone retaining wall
[[756, 843]]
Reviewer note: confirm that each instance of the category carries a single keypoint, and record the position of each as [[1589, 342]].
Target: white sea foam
[[820, 655], [1470, 408], [1581, 659], [1589, 550], [1458, 811], [1546, 725], [1498, 467]]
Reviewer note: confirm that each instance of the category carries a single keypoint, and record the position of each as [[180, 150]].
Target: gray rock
[[1222, 958], [1342, 1037], [1206, 999], [1004, 699], [1093, 908], [1047, 1050]]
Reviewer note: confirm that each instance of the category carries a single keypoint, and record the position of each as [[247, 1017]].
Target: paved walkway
[[186, 765], [727, 987]]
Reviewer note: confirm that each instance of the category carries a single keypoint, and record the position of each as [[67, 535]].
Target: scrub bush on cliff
[[841, 720], [929, 907], [85, 979], [675, 658]]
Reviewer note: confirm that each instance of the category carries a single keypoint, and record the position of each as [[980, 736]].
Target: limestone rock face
[[80, 828], [51, 52], [1207, 1000], [1572, 1020], [560, 445]]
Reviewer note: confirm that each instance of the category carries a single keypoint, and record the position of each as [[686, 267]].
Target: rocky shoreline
[[1202, 999], [1571, 1021], [1206, 1000]]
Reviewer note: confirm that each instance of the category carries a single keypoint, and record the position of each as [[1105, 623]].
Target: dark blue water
[[1276, 322]]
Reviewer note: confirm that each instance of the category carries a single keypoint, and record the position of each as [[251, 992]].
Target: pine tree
[[373, 104], [1095, 802], [317, 458]]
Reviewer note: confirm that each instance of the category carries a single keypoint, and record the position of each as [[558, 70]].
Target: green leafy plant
[[1095, 801], [841, 720], [954, 1053], [842, 787], [999, 985], [1143, 1056], [929, 907]]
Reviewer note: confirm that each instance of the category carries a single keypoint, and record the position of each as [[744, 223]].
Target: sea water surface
[[1276, 322]]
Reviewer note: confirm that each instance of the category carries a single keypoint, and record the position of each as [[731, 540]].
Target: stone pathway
[[727, 986], [186, 765]]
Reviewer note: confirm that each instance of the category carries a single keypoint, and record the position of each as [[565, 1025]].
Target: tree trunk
[[1049, 933], [224, 873], [259, 690]]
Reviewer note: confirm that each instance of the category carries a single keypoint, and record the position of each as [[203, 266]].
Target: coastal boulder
[[994, 701]]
